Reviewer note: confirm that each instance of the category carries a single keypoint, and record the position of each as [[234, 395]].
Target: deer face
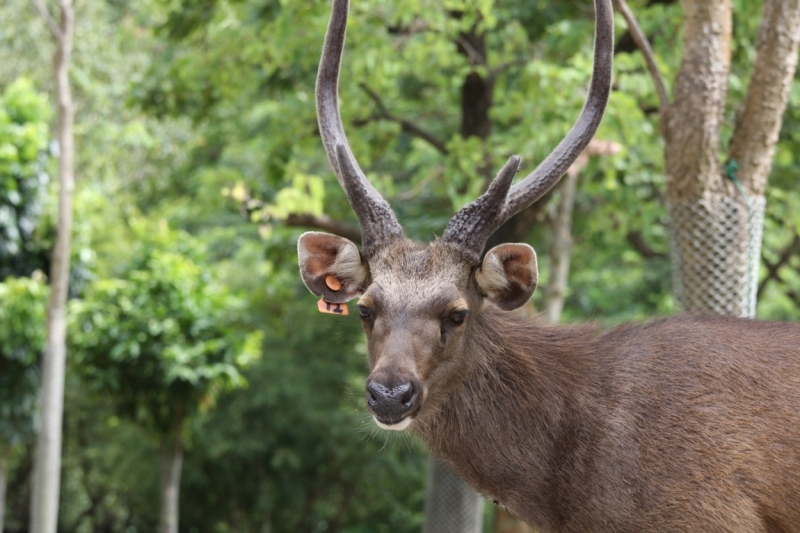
[[416, 305]]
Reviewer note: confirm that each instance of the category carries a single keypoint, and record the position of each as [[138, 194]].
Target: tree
[[162, 343], [721, 198], [47, 470], [22, 338]]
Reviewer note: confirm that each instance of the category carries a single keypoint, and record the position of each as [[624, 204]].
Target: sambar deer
[[690, 423]]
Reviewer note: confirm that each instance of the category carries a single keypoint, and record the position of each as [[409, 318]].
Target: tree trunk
[[477, 91], [47, 469], [171, 465], [708, 217], [3, 485], [450, 504], [692, 123], [559, 246], [717, 212], [477, 97], [559, 228]]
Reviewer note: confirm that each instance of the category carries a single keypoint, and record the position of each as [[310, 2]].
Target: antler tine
[[378, 222], [550, 171], [471, 226]]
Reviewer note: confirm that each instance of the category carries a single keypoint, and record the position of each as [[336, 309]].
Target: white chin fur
[[400, 426]]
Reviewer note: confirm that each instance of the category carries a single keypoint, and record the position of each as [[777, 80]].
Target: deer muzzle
[[394, 403]]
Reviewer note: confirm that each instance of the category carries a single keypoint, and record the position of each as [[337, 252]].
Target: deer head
[[419, 304]]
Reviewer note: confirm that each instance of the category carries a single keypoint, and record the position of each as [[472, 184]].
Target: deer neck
[[521, 415]]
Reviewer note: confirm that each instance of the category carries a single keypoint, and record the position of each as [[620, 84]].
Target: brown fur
[[686, 424], [689, 424]]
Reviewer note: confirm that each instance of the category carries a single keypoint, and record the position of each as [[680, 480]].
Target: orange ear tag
[[333, 283], [332, 309], [329, 308]]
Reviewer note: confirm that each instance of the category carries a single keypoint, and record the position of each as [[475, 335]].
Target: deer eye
[[457, 317], [364, 311]]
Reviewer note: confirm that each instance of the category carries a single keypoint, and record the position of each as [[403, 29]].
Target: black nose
[[391, 403]]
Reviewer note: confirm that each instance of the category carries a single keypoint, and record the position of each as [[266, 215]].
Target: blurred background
[[192, 343]]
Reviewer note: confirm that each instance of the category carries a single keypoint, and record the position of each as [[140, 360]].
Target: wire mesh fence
[[716, 250], [451, 506]]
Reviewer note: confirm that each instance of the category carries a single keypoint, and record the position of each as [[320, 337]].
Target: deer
[[687, 423]]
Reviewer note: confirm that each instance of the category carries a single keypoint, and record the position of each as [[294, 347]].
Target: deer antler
[[471, 227], [379, 225]]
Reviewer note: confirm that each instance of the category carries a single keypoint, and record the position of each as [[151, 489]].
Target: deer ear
[[508, 275], [324, 256]]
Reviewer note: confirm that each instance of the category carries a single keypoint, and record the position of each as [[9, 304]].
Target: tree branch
[[326, 223], [647, 51], [249, 205], [759, 120], [773, 268], [473, 54], [416, 189], [48, 19], [638, 242], [499, 69], [407, 126]]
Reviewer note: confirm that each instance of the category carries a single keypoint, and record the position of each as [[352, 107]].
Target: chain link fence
[[716, 251], [451, 506]]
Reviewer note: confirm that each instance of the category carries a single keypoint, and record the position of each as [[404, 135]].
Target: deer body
[[687, 424]]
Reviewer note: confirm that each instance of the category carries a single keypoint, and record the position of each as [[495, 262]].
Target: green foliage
[[22, 337], [331, 475], [162, 340], [24, 115], [188, 108]]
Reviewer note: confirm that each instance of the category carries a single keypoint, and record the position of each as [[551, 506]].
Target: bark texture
[[171, 466], [47, 469], [760, 118], [692, 123]]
